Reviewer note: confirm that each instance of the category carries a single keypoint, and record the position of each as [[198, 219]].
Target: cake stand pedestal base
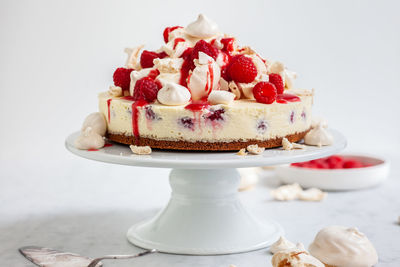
[[204, 217]]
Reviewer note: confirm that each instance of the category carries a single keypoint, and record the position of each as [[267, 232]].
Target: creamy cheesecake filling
[[242, 120]]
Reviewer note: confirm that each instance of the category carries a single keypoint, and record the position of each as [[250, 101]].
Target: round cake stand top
[[121, 154]]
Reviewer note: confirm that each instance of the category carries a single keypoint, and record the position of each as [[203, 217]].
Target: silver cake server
[[47, 257]]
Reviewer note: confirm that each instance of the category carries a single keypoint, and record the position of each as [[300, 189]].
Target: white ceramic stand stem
[[204, 202]]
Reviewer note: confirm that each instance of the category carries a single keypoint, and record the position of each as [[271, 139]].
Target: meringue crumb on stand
[[255, 149], [294, 191], [242, 152], [318, 136], [295, 258], [287, 145], [343, 246], [140, 150], [89, 139]]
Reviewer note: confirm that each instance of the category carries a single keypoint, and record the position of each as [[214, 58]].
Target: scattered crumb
[[121, 154], [287, 145], [115, 91], [140, 150], [255, 149], [312, 194], [242, 152], [232, 265], [287, 192], [294, 191]]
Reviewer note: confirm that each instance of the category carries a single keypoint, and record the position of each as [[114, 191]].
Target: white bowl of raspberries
[[337, 172]]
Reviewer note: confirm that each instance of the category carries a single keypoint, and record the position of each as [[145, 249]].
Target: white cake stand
[[204, 215]]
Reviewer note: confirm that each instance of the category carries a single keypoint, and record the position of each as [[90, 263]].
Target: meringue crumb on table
[[140, 150], [294, 191]]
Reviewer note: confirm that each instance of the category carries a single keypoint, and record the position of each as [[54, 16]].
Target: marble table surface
[[82, 206]]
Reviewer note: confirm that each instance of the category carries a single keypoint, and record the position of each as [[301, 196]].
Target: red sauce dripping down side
[[108, 109], [135, 118], [284, 98]]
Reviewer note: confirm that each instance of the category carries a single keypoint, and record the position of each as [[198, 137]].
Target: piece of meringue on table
[[295, 258], [342, 246], [248, 178]]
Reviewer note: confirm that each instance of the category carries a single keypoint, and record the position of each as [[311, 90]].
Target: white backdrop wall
[[56, 56]]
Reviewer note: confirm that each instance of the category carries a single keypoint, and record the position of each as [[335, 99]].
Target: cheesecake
[[202, 91]]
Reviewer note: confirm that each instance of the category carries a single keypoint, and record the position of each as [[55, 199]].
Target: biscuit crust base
[[202, 146]]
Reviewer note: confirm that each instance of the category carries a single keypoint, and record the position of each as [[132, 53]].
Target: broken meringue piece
[[133, 55], [343, 246], [255, 149], [97, 122], [318, 136], [316, 120], [287, 192], [242, 152], [89, 139], [287, 145], [220, 97], [173, 94], [312, 194], [295, 258], [140, 150], [281, 244], [115, 91]]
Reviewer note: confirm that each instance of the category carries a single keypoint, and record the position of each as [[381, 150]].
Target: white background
[[55, 56]]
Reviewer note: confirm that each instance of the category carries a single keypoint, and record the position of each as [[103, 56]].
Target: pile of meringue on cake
[[201, 90]]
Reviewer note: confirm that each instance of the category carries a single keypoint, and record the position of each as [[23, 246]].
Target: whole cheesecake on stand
[[202, 91]]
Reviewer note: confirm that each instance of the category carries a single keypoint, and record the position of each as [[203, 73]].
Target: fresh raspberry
[[264, 92], [203, 46], [352, 163], [167, 32], [145, 89], [162, 54], [242, 69], [276, 79], [146, 59], [122, 78]]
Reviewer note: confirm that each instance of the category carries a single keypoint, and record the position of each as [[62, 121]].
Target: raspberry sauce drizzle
[[197, 107], [108, 109], [177, 41], [284, 98], [135, 118]]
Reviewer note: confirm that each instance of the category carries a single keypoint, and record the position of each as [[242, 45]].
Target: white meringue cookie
[[89, 139], [97, 122], [281, 244], [137, 75], [220, 97], [168, 65], [173, 94], [318, 136], [342, 246], [203, 27], [204, 78]]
